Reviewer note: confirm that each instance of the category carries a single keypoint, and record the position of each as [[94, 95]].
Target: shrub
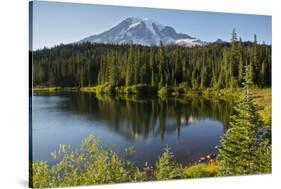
[[145, 175], [166, 168], [165, 91], [128, 90], [105, 88], [183, 88], [108, 89], [179, 90], [39, 175], [83, 89], [99, 89], [201, 170], [91, 164]]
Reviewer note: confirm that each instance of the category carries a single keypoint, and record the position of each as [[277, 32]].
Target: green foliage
[[109, 89], [263, 155], [145, 175], [99, 89], [128, 90], [46, 89], [106, 88], [165, 91], [91, 164], [88, 89], [211, 66], [181, 89], [201, 170], [166, 168], [263, 97], [239, 148], [223, 93], [133, 89], [40, 175]]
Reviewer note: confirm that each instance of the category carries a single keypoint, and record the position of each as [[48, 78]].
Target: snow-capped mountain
[[143, 32]]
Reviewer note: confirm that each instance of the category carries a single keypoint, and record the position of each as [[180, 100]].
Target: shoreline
[[263, 96], [222, 93]]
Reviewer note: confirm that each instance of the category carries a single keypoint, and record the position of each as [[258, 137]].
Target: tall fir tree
[[239, 149], [129, 67], [152, 67], [161, 65]]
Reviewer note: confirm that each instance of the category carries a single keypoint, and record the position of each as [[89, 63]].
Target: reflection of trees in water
[[137, 117]]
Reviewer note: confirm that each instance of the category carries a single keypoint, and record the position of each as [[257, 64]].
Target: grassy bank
[[180, 90], [45, 89], [55, 89], [263, 97]]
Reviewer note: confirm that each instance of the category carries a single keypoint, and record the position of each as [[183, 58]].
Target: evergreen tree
[[241, 70], [194, 81], [166, 168], [233, 36], [262, 75], [113, 77], [234, 59], [203, 78], [162, 65], [152, 67], [88, 64], [129, 67], [239, 148]]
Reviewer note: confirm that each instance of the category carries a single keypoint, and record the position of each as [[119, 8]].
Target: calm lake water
[[191, 127]]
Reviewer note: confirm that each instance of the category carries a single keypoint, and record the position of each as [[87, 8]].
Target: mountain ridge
[[147, 32]]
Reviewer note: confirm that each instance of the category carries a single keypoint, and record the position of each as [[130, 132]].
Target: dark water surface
[[191, 126]]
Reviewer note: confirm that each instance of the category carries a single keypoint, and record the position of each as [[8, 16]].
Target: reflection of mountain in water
[[136, 118]]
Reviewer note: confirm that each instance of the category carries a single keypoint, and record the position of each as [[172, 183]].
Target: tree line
[[216, 65]]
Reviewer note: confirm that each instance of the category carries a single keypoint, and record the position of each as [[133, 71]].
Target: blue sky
[[55, 23]]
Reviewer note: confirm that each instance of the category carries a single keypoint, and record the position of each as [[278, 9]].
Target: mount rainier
[[144, 32]]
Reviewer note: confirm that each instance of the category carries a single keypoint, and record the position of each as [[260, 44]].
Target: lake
[[190, 126]]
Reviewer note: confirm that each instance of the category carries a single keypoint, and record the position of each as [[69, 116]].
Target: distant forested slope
[[216, 65]]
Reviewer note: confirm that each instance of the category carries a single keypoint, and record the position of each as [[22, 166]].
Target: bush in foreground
[[166, 168], [93, 163], [200, 170]]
